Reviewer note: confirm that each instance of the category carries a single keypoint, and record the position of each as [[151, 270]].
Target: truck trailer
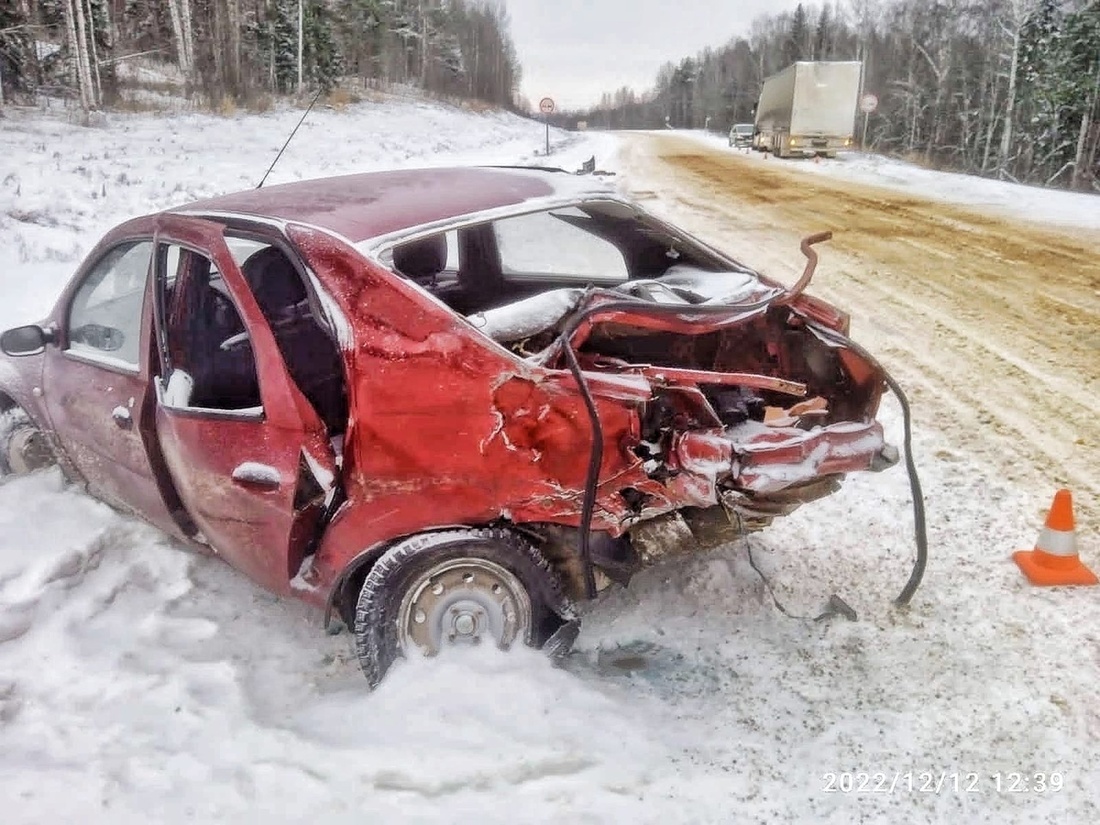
[[809, 109]]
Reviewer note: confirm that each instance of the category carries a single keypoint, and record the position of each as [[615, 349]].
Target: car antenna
[[292, 134]]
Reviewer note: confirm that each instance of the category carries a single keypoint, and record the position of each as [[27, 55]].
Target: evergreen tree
[[821, 35], [16, 51], [1042, 86], [320, 56], [361, 29], [280, 36], [1080, 43], [796, 40]]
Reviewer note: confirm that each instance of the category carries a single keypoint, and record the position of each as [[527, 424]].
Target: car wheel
[[23, 447], [455, 588]]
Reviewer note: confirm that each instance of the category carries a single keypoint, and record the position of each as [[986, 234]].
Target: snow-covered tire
[[455, 587], [23, 448]]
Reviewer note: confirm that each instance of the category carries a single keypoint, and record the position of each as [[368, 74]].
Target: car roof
[[364, 206]]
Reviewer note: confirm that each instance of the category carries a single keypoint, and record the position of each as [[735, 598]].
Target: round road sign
[[868, 103], [546, 105]]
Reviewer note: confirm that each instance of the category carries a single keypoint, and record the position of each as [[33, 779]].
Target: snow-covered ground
[[1033, 203], [140, 683]]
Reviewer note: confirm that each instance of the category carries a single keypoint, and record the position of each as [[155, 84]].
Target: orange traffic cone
[[1054, 560]]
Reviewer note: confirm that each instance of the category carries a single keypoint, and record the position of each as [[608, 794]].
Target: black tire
[[18, 432], [382, 600]]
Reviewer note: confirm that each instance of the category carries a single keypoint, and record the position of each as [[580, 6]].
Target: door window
[[105, 314], [207, 355]]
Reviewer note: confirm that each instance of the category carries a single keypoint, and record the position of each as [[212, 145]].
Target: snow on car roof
[[364, 206]]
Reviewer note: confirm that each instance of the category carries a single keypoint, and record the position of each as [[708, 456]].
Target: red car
[[443, 403]]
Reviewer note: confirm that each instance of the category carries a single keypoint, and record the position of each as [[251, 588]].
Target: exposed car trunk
[[754, 408]]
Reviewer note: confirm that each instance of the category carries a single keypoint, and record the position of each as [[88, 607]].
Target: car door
[[97, 379], [246, 452]]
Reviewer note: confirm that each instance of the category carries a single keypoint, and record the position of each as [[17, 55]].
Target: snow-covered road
[[141, 683]]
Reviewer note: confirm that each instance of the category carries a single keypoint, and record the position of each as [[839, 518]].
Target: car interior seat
[[275, 283], [312, 358], [223, 376]]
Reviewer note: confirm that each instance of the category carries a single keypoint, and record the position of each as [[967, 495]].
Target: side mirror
[[28, 340]]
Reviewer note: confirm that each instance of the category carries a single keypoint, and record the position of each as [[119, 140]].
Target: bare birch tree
[[73, 11], [181, 30]]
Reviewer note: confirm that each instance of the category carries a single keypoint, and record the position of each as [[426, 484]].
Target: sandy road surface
[[992, 325]]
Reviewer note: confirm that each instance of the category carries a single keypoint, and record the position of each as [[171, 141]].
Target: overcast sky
[[574, 50]]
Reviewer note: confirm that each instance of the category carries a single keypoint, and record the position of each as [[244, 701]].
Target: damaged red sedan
[[445, 404]]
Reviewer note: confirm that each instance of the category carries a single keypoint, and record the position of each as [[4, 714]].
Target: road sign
[[546, 106], [868, 103]]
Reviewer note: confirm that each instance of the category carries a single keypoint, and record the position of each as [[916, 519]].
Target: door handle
[[255, 474], [122, 418]]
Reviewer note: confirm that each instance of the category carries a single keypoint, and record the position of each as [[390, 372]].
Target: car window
[[207, 351], [105, 314], [243, 248], [556, 244], [452, 251]]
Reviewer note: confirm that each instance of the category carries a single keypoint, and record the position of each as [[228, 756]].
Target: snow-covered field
[[140, 683], [62, 185]]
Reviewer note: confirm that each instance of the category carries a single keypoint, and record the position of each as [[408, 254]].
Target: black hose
[[592, 480], [920, 529]]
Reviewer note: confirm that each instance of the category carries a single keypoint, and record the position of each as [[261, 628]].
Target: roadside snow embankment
[[62, 185], [138, 684]]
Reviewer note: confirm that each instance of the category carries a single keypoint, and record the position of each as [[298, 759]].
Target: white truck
[[809, 109]]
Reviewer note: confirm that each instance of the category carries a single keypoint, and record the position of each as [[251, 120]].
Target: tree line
[[238, 49], [1006, 88]]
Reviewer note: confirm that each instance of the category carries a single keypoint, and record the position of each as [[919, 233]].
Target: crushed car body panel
[[448, 417]]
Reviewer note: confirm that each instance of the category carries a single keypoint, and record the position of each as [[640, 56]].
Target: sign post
[[546, 106], [867, 104]]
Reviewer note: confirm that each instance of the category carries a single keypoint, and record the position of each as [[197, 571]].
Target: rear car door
[[97, 379], [247, 453]]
